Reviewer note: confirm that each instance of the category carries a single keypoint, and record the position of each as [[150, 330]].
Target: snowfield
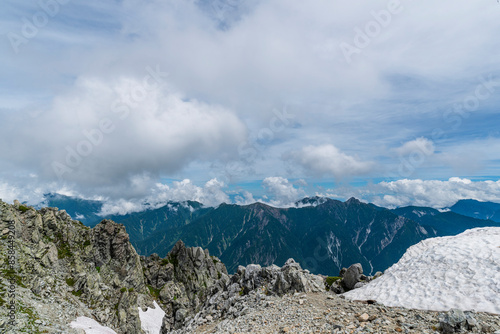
[[152, 319], [90, 326], [438, 274]]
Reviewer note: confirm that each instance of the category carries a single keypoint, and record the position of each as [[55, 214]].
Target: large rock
[[457, 321], [352, 276]]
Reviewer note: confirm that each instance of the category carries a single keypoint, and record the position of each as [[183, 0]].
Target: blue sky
[[393, 102]]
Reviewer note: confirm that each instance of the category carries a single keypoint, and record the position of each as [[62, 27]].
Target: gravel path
[[328, 313]]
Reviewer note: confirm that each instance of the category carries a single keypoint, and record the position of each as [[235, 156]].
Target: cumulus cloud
[[229, 64], [430, 193], [329, 160], [31, 190], [282, 191], [106, 133], [9, 193], [244, 198], [211, 194], [418, 146]]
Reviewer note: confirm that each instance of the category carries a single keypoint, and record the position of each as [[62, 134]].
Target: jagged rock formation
[[182, 281], [251, 284], [63, 269]]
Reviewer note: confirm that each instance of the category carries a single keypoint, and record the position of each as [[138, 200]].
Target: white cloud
[[108, 133], [329, 160], [223, 83], [211, 194], [282, 191], [244, 198], [31, 190], [432, 193], [418, 146]]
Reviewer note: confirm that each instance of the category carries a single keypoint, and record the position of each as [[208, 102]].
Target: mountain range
[[323, 234]]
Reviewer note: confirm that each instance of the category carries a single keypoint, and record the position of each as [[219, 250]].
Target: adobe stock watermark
[[471, 103], [453, 118], [11, 264], [324, 252], [31, 25], [371, 30], [121, 108]]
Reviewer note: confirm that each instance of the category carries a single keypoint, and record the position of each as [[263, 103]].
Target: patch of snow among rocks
[[442, 273], [151, 319], [90, 326]]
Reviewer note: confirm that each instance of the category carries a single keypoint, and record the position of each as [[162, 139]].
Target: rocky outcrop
[[63, 269], [349, 279], [230, 296], [182, 281]]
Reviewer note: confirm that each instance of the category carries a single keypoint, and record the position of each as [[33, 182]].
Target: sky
[[392, 102]]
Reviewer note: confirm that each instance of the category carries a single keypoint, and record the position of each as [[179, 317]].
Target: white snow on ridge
[[90, 326], [438, 274], [152, 319]]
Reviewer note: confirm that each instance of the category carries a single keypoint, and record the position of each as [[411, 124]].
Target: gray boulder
[[453, 321], [351, 276]]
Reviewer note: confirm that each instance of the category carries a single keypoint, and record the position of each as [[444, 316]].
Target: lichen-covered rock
[[183, 281], [63, 269]]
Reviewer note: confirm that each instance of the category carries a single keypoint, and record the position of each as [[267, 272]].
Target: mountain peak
[[352, 200]]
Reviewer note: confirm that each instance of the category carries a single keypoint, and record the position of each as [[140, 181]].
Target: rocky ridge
[[255, 301], [63, 270]]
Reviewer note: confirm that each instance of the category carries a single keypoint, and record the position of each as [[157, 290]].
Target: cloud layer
[[109, 99], [330, 161]]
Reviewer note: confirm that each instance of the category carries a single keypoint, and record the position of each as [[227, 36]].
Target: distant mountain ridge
[[83, 210], [325, 237], [323, 234], [477, 209], [442, 223]]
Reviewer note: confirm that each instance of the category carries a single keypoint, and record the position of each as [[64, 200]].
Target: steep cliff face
[[60, 269], [63, 269], [182, 281]]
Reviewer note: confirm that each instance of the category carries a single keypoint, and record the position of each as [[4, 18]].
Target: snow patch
[[90, 326], [439, 274], [151, 319], [419, 213], [423, 230], [334, 249]]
